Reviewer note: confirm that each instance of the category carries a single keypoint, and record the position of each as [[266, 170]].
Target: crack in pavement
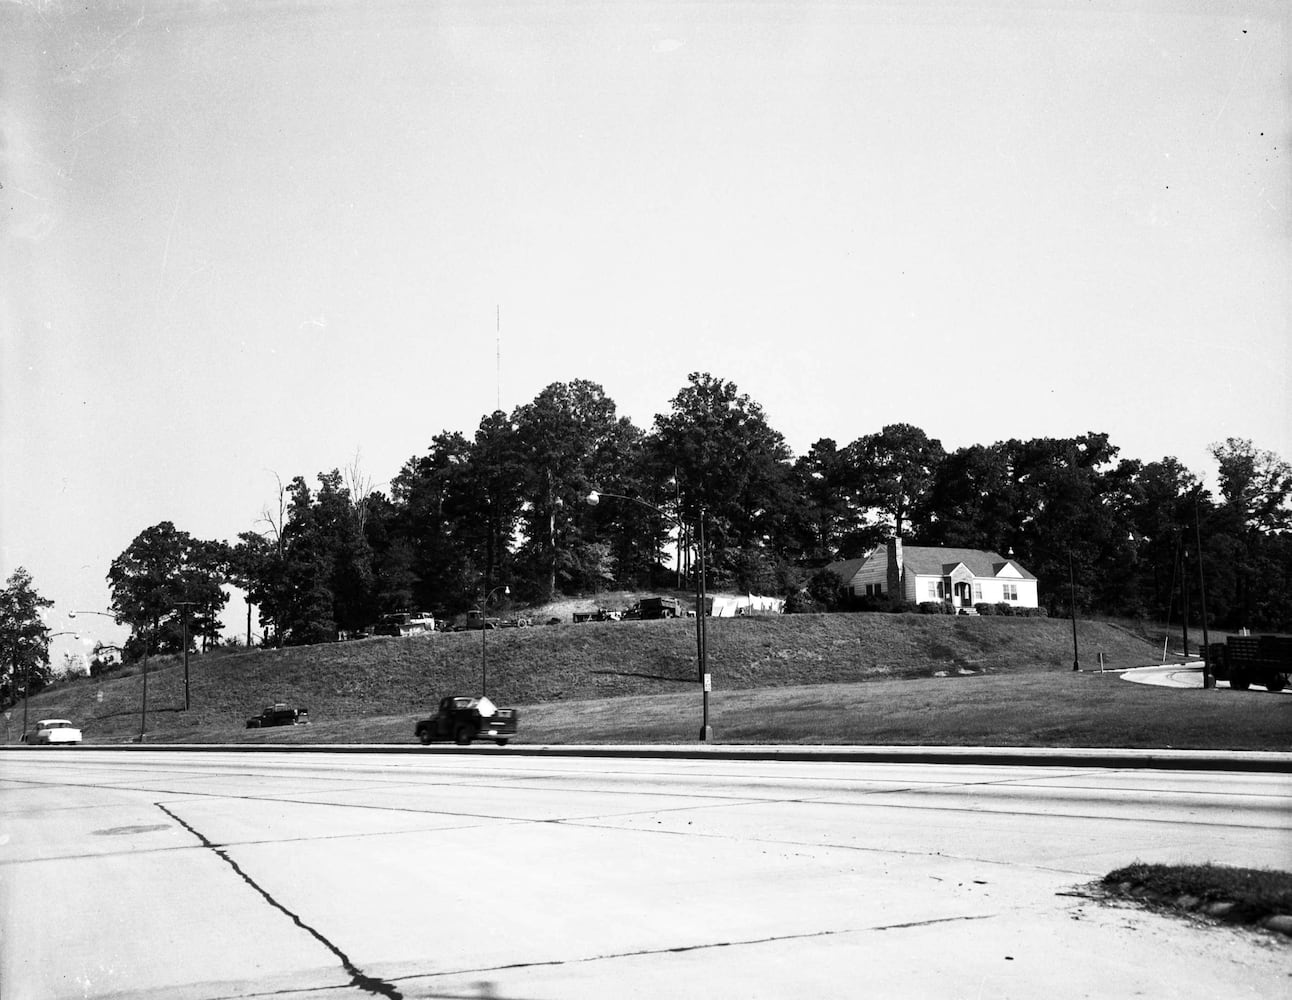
[[369, 984], [706, 946]]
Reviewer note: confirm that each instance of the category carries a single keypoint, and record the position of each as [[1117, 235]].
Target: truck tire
[[501, 743], [463, 735], [1276, 683], [1239, 681], [425, 736]]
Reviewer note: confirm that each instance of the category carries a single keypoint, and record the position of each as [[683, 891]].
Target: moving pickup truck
[[463, 718]]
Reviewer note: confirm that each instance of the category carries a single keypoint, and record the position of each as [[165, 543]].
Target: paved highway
[[155, 874]]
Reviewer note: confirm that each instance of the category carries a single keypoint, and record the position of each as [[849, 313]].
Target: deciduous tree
[[732, 465], [24, 639], [894, 470], [162, 571]]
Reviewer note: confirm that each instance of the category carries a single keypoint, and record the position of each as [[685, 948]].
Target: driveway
[[1182, 675]]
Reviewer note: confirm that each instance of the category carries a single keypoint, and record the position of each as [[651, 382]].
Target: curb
[[1176, 760]]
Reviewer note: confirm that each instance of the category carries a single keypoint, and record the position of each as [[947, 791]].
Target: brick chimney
[[894, 587]]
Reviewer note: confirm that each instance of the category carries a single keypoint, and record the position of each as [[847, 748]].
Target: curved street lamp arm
[[596, 495]]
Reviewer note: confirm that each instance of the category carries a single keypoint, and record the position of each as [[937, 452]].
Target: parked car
[[279, 714], [50, 732], [463, 718], [659, 607], [475, 620], [406, 623]]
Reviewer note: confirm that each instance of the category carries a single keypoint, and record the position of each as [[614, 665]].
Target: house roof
[[928, 560], [846, 569]]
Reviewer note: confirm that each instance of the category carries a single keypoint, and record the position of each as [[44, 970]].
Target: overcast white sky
[[244, 239]]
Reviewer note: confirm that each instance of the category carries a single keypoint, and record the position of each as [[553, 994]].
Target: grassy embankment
[[840, 678]]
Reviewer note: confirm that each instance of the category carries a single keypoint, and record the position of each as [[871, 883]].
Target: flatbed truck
[[1244, 660]]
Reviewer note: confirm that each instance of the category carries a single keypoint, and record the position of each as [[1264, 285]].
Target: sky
[[249, 241]]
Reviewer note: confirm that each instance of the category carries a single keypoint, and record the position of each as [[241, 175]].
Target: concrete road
[[154, 874]]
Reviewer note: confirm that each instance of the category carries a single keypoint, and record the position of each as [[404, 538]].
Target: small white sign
[[708, 682]]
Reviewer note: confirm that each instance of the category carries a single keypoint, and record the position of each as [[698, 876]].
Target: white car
[[53, 731]]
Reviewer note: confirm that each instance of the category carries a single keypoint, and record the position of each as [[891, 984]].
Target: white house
[[920, 573]]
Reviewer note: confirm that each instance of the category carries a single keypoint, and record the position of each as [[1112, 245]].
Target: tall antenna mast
[[498, 354]]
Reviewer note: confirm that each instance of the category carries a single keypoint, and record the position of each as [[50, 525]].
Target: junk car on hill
[[406, 623], [279, 714]]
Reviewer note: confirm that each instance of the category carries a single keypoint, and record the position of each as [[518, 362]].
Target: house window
[[977, 591], [934, 587], [874, 589], [1011, 591]]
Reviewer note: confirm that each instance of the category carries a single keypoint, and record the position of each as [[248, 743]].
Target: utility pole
[[1207, 679], [184, 606], [706, 682], [1072, 606]]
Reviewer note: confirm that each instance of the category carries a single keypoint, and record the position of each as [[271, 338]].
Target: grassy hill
[[399, 679]]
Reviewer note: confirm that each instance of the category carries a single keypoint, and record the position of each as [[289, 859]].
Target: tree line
[[509, 506]]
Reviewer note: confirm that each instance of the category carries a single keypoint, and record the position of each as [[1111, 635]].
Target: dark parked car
[[475, 619], [279, 715], [463, 718]]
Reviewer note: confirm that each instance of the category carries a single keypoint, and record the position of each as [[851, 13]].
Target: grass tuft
[[1257, 893]]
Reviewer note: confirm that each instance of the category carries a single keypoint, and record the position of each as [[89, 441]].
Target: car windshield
[[56, 724]]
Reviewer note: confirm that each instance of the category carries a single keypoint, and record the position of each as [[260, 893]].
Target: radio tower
[[498, 354]]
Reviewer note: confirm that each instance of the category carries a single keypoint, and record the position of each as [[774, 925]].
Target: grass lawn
[[813, 679], [1057, 709]]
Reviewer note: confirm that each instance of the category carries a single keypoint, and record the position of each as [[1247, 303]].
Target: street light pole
[[143, 703], [702, 612], [26, 681], [26, 677], [484, 628], [185, 605], [1208, 680], [1072, 606], [701, 600]]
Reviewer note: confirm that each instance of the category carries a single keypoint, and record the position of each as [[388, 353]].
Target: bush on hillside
[[803, 603], [883, 603], [1010, 610]]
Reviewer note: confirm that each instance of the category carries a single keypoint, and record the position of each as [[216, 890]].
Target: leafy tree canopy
[[24, 638], [162, 572]]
